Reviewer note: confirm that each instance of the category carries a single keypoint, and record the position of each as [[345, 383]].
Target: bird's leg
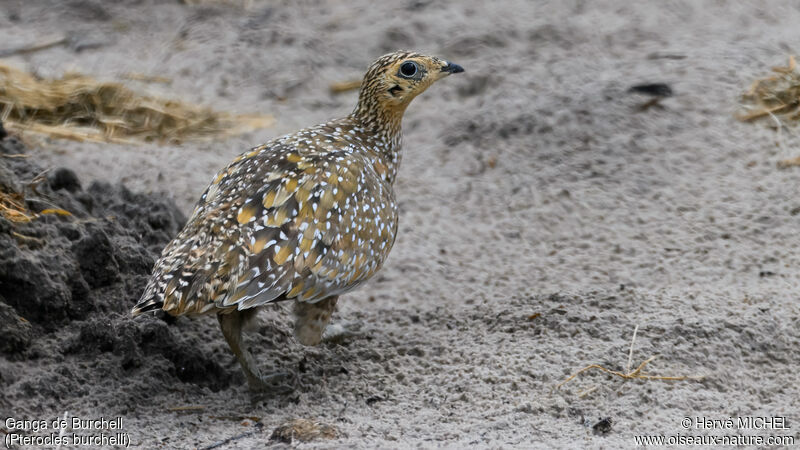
[[311, 319], [231, 325]]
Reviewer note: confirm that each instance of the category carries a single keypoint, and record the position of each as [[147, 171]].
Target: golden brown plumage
[[308, 216]]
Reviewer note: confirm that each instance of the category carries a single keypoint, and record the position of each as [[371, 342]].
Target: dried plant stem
[[628, 374], [636, 374]]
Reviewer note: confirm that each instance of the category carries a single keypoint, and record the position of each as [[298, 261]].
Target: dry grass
[[12, 203], [787, 163], [12, 207], [635, 374], [777, 95], [629, 374], [81, 108]]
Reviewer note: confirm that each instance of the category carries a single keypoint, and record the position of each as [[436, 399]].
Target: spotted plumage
[[305, 217]]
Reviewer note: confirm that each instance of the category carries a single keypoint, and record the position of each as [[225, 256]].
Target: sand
[[544, 216]]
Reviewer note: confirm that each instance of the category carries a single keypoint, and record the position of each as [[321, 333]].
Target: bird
[[306, 217]]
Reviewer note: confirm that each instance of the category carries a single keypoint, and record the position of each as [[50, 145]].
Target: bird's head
[[395, 79]]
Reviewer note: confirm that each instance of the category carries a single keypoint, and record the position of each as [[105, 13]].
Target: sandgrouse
[[306, 217]]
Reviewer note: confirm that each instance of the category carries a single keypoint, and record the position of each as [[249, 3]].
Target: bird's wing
[[202, 262], [319, 230], [318, 225]]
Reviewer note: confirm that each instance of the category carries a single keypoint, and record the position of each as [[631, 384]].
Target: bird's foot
[[341, 331], [273, 383]]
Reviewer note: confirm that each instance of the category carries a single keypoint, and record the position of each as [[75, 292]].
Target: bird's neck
[[382, 130], [378, 118]]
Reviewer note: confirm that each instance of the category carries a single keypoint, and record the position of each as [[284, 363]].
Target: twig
[[56, 211], [146, 78], [37, 180], [344, 86], [780, 130], [237, 418], [587, 392], [791, 162], [230, 439], [43, 45], [28, 240], [789, 69], [630, 352], [763, 112]]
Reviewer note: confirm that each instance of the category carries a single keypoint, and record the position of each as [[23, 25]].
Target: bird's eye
[[408, 69]]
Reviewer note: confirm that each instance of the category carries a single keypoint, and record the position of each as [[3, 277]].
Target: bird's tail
[[198, 267], [192, 272], [151, 300]]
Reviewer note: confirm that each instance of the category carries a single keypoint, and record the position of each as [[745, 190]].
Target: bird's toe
[[274, 383], [341, 331]]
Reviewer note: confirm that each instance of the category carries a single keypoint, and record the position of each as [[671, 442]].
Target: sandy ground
[[533, 184]]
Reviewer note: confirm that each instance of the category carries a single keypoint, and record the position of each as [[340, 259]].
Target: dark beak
[[452, 68]]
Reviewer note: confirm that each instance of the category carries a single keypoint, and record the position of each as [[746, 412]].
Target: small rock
[[603, 426], [303, 430], [653, 89], [64, 178]]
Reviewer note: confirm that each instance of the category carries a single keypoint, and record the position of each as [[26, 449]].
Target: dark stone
[[653, 89], [64, 178], [603, 426]]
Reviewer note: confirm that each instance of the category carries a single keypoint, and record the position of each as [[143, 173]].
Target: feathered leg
[[311, 320]]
